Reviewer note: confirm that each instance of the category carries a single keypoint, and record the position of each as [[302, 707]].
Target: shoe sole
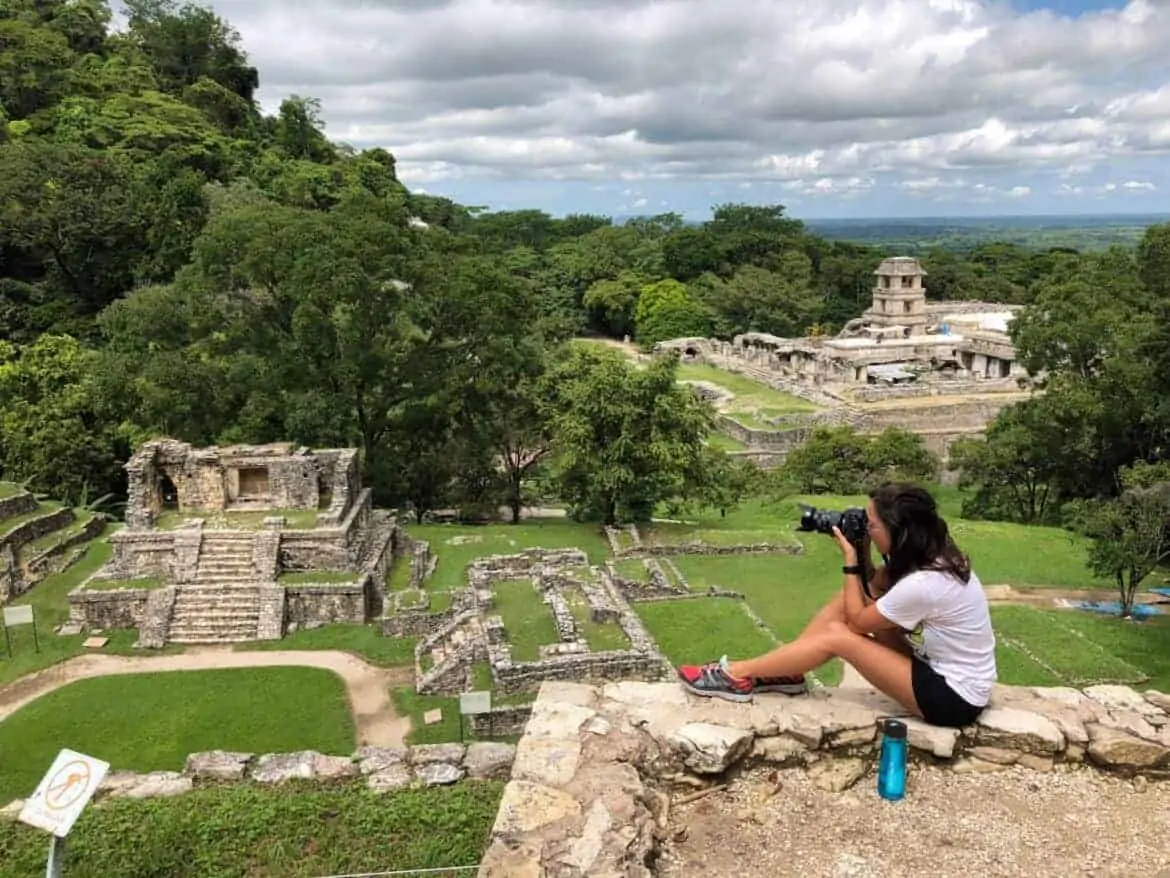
[[783, 690], [737, 697]]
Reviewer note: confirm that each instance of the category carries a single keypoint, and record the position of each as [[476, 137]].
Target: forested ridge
[[175, 262]]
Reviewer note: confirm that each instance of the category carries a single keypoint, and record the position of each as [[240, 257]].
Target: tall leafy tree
[[626, 439]]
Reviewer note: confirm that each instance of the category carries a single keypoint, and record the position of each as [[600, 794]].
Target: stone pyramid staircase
[[215, 613], [226, 557]]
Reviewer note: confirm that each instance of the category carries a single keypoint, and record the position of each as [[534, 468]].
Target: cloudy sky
[[836, 108]]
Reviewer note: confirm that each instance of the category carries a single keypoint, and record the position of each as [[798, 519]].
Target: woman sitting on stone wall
[[926, 580]]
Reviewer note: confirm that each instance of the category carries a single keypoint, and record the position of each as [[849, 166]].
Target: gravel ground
[[1013, 822]]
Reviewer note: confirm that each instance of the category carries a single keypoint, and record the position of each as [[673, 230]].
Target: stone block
[[217, 765]]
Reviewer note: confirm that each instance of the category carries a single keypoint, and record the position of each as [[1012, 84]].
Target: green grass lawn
[[528, 621], [147, 722], [319, 577], [300, 830], [50, 607], [147, 582], [295, 519], [725, 443], [601, 636], [410, 703], [398, 576], [364, 641], [456, 546], [749, 395], [9, 489]]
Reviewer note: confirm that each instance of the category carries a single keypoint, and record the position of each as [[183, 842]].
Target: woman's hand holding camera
[[848, 550]]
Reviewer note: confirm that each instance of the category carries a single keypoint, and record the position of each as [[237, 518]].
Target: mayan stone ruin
[[223, 544], [942, 370]]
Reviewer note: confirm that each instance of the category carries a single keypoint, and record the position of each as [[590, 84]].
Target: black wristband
[[854, 569]]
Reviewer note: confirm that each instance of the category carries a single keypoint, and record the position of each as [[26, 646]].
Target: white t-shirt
[[957, 640]]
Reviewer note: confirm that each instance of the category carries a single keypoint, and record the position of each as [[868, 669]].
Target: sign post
[[60, 798], [472, 703], [14, 616]]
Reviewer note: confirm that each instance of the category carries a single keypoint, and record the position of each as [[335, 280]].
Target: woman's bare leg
[[885, 668]]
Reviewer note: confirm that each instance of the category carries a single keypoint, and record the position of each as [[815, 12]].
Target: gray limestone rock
[[374, 759], [427, 754], [710, 749], [489, 759], [390, 778], [1021, 730], [438, 773], [217, 765], [303, 765]]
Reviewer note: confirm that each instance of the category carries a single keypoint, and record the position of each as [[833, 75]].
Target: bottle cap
[[893, 728]]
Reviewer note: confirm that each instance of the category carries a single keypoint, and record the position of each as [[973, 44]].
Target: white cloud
[[834, 97]]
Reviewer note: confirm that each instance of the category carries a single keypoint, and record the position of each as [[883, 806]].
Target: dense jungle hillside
[[175, 262]]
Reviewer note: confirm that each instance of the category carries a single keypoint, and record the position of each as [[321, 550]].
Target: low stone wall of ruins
[[334, 548], [338, 473], [972, 415], [596, 768], [762, 459], [48, 560], [20, 503], [36, 528], [114, 608], [505, 721], [328, 603], [495, 568], [143, 553], [383, 769], [701, 548], [16, 578], [776, 441]]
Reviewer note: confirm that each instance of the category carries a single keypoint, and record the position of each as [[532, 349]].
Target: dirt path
[[368, 686]]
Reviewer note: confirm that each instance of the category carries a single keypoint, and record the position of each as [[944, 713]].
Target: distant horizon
[[931, 218]]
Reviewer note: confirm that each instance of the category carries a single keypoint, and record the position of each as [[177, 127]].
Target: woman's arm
[[861, 616]]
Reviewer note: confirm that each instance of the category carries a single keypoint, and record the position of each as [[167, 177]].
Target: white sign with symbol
[[64, 792]]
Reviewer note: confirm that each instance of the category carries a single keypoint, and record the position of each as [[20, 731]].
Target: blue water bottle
[[892, 765]]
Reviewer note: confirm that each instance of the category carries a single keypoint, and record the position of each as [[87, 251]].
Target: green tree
[[839, 460], [52, 433], [625, 439], [613, 302], [186, 43], [1130, 537], [665, 310]]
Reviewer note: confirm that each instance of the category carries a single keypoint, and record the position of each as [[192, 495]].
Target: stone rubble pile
[[593, 772]]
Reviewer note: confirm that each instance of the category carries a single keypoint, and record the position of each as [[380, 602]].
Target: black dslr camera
[[853, 522]]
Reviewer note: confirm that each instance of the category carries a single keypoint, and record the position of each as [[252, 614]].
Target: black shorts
[[940, 704]]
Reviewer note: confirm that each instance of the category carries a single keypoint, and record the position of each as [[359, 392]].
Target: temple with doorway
[[166, 475]]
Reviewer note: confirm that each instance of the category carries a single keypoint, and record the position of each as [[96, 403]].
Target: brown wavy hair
[[919, 536]]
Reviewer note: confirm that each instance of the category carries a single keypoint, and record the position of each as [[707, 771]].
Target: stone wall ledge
[[20, 503], [595, 765], [384, 769]]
